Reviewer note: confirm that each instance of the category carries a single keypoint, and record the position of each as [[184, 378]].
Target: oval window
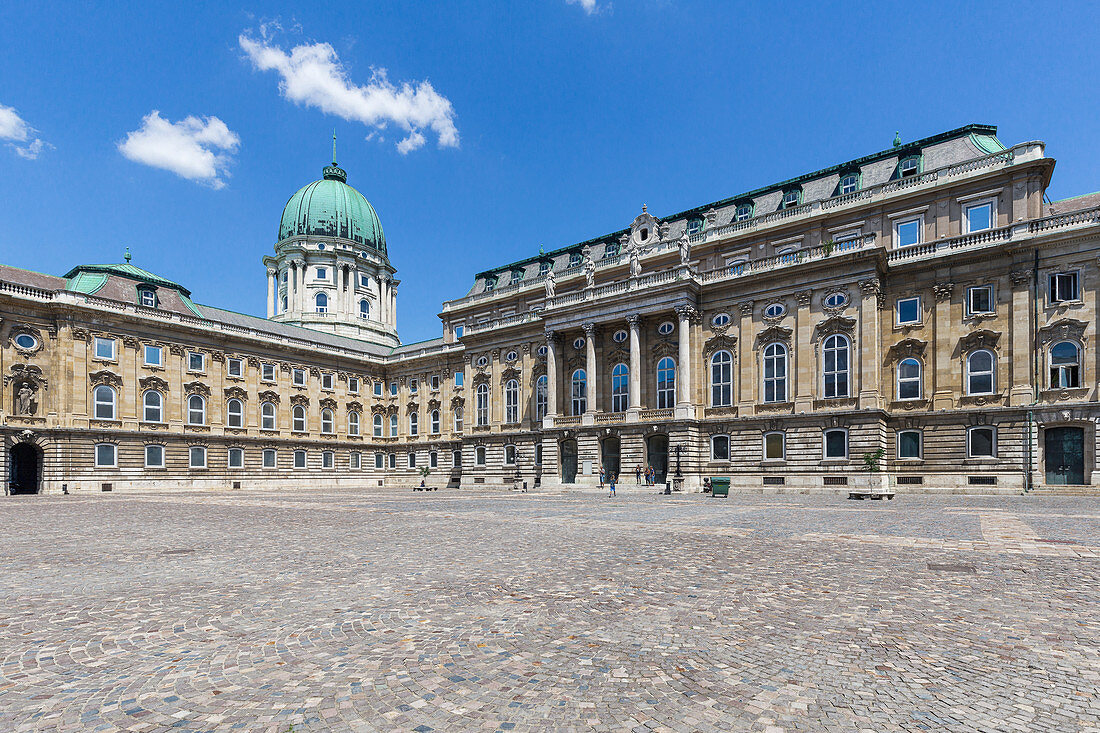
[[482, 361], [619, 336], [578, 343], [541, 351], [320, 246], [722, 319], [775, 310], [666, 328], [26, 341], [835, 300], [511, 356]]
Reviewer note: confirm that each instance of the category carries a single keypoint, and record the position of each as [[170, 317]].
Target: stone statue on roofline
[[589, 268], [635, 253], [549, 282], [685, 250]]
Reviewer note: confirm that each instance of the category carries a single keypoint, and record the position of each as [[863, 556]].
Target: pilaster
[[804, 373], [871, 294], [943, 397], [1023, 391]]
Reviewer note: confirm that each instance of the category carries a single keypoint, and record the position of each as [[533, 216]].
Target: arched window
[[378, 426], [541, 389], [620, 386], [719, 447], [414, 424], [479, 455], [909, 386], [511, 401], [979, 372], [721, 379], [234, 411], [104, 399], [509, 455], [196, 410], [482, 412], [267, 416], [283, 309], [433, 418], [326, 421], [579, 392], [1065, 365], [458, 419], [353, 423], [299, 415], [393, 425], [775, 373], [666, 383], [836, 350], [322, 303], [364, 308], [152, 406]]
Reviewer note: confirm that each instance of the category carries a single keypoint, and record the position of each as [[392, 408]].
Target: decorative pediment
[[412, 407], [719, 343], [378, 409], [391, 409], [433, 404], [254, 361], [481, 378], [153, 383], [509, 373], [299, 399], [980, 339], [269, 395], [175, 349], [328, 403], [663, 348], [235, 393], [197, 388], [1063, 328], [457, 401], [105, 376], [908, 347], [835, 324], [618, 355], [537, 371], [355, 406], [21, 373], [774, 333]]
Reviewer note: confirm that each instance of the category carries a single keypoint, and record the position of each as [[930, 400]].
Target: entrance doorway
[[1065, 455], [657, 456], [26, 468], [609, 450], [569, 461]]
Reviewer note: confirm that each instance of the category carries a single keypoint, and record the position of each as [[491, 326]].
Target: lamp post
[[679, 474]]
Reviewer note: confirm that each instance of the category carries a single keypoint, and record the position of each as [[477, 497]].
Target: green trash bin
[[720, 486]]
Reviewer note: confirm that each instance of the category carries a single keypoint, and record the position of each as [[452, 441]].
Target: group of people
[[649, 473]]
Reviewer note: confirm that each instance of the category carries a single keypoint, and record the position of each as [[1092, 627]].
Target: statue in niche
[[26, 404], [685, 250], [550, 283], [589, 268], [635, 260]]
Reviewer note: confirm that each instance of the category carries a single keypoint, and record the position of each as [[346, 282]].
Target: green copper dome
[[332, 208]]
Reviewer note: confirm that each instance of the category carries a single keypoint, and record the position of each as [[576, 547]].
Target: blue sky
[[543, 122]]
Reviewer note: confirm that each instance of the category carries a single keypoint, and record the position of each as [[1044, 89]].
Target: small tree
[[424, 472], [871, 460], [827, 247]]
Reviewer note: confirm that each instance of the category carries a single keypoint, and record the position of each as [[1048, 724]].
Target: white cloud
[[193, 148], [19, 134], [588, 5], [312, 75]]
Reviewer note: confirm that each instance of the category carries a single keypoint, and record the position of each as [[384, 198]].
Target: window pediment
[[782, 334], [299, 399], [197, 388], [328, 403], [908, 347], [236, 392], [27, 373], [269, 396], [105, 376], [980, 339], [835, 324], [1062, 329], [355, 406], [719, 343]]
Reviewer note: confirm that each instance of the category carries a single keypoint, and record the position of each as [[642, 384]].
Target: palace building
[[921, 318]]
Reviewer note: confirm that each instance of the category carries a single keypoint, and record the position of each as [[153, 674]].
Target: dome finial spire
[[127, 256], [334, 146]]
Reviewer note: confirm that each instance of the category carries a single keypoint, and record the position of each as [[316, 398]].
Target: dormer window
[[148, 297], [792, 198], [517, 275], [544, 267], [695, 225], [490, 283], [612, 250], [909, 166], [744, 211], [849, 183], [575, 259]]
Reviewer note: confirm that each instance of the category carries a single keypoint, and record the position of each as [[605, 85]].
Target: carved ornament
[[153, 383], [299, 399], [106, 377], [835, 324], [269, 395], [196, 388], [1062, 329], [980, 339], [908, 347], [236, 393], [719, 343]]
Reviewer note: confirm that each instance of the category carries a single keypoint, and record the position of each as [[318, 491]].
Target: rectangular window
[[981, 442], [720, 448], [377, 389], [327, 459], [196, 361], [198, 456], [460, 331], [299, 459], [393, 389], [458, 378], [154, 456], [908, 232], [412, 460], [299, 377], [774, 449], [153, 356], [979, 217], [435, 382], [354, 460], [234, 367], [836, 443], [979, 300], [908, 310], [267, 372], [322, 273], [393, 460], [104, 348], [379, 460], [1062, 287], [909, 445], [393, 426], [236, 458], [353, 385], [326, 381], [148, 298], [413, 386], [106, 455], [364, 281], [269, 458], [433, 460]]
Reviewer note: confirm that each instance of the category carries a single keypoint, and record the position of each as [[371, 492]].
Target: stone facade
[[921, 309]]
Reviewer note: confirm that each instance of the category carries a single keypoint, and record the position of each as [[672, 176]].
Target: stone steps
[[1066, 491]]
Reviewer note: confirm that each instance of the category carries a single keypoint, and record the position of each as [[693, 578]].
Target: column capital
[[1021, 277], [634, 320], [746, 307], [589, 329], [943, 290], [686, 312], [271, 271], [870, 286], [552, 336], [804, 297]]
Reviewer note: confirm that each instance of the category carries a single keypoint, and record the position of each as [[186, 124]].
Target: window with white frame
[[353, 423], [458, 419], [414, 424], [328, 459], [154, 456], [196, 361], [775, 446], [267, 416], [721, 379], [909, 445], [719, 447], [104, 400], [364, 308], [908, 310], [459, 377], [197, 456], [1065, 365], [106, 455], [909, 379], [460, 331], [835, 443], [744, 211], [353, 385], [379, 460], [666, 383], [104, 348], [328, 425], [835, 351], [980, 216], [509, 455], [393, 389], [979, 300], [775, 373], [270, 458], [326, 381], [792, 198], [541, 396], [377, 388], [482, 404], [511, 401], [578, 392], [322, 273], [378, 426], [152, 406], [848, 184], [434, 382], [299, 459], [980, 372], [154, 356], [433, 422], [981, 442], [148, 297], [620, 385], [414, 385], [234, 412], [479, 455], [393, 426], [236, 458], [196, 410], [234, 367], [909, 166], [298, 377], [1063, 287], [355, 459], [267, 372], [298, 419], [908, 232]]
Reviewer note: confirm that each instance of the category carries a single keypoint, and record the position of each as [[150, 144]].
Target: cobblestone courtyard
[[359, 611]]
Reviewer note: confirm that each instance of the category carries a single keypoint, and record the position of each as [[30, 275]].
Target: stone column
[[1022, 389], [272, 274], [393, 306], [383, 300], [635, 394], [805, 375], [942, 346], [870, 355], [300, 287], [683, 372], [551, 379], [746, 390], [590, 369]]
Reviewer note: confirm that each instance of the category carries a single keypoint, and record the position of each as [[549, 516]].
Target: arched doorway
[[569, 461], [1064, 449], [657, 456], [609, 455], [26, 468]]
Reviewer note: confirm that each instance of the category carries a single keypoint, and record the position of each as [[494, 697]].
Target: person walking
[[601, 477], [611, 481], [638, 474]]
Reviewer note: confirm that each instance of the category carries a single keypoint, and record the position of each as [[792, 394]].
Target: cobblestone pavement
[[365, 611]]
